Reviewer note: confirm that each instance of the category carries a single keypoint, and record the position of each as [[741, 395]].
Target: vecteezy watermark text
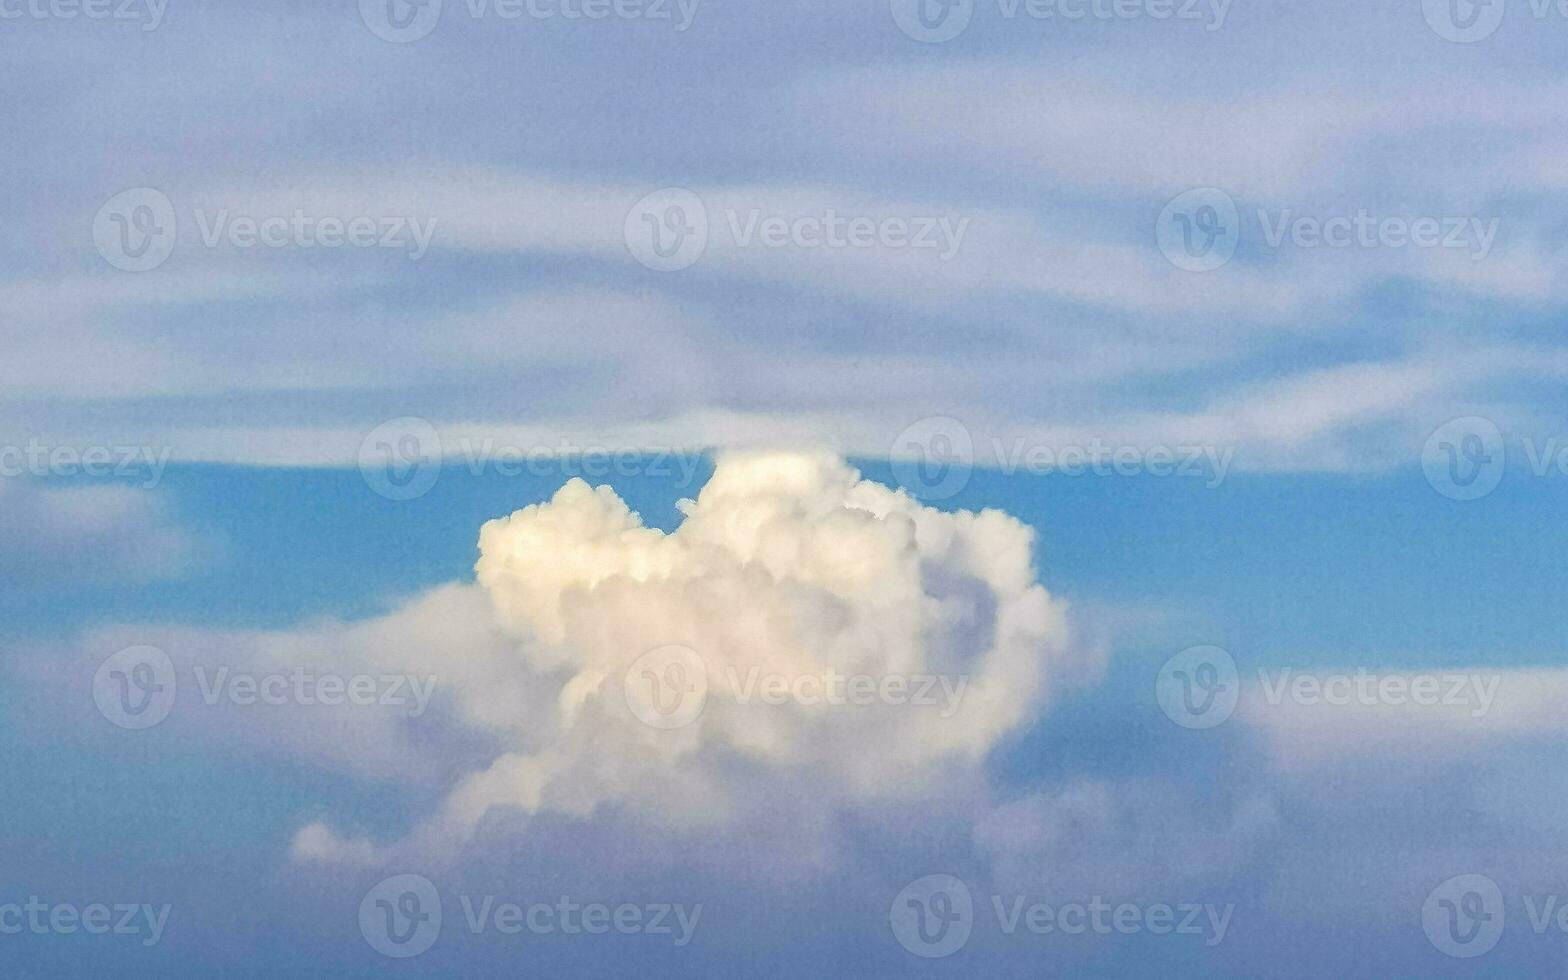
[[148, 12], [96, 462], [402, 916], [667, 687], [137, 230], [935, 21], [934, 917], [405, 21], [835, 689], [402, 459], [935, 457], [137, 688], [1200, 687], [42, 918], [669, 230], [1199, 230]]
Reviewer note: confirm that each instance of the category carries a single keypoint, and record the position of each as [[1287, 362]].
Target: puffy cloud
[[823, 639]]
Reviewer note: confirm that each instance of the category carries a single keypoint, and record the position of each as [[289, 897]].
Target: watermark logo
[[401, 916], [1463, 917], [149, 12], [933, 916], [401, 459], [307, 231], [1199, 687], [1363, 229], [136, 229], [1464, 21], [1464, 459], [1363, 688], [570, 918], [934, 458], [41, 918], [136, 687], [933, 21], [400, 21], [301, 687], [404, 21], [93, 462], [667, 687], [566, 460], [1205, 920], [832, 688], [668, 230], [1199, 229]]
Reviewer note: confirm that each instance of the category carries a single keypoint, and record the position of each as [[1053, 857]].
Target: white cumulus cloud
[[788, 570]]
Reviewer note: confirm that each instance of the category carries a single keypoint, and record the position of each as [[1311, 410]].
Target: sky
[[876, 488]]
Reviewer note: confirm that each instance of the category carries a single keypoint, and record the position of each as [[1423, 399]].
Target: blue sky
[[1237, 324]]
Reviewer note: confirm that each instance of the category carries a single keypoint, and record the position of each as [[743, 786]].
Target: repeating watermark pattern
[[402, 916], [675, 921], [1464, 21], [137, 230], [1464, 459], [1199, 230], [1364, 688], [935, 457], [934, 917], [669, 230], [147, 13], [138, 687], [667, 687], [834, 689], [405, 21], [936, 21], [299, 686], [1467, 458], [1204, 920], [140, 921], [1362, 229], [402, 459], [567, 459], [1198, 688], [95, 462], [303, 230], [1465, 916]]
